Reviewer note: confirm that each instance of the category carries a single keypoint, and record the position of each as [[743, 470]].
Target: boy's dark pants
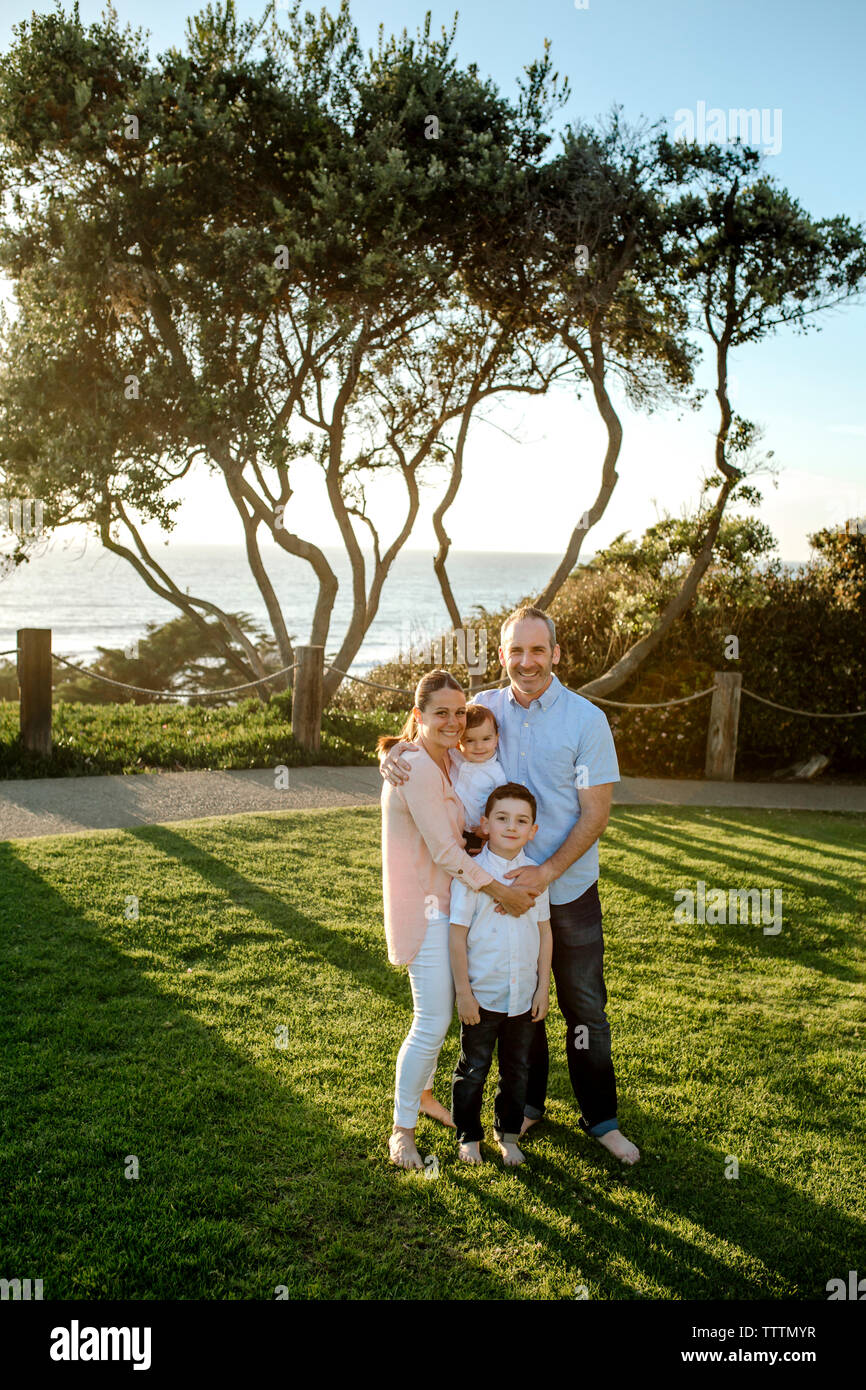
[[514, 1037], [578, 956]]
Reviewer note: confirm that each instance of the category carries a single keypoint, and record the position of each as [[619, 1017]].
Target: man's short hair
[[515, 791], [526, 610]]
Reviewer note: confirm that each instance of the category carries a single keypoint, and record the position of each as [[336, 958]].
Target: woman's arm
[[426, 801]]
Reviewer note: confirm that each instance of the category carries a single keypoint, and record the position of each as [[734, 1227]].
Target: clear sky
[[792, 57]]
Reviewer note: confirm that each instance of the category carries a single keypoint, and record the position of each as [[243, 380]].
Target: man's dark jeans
[[515, 1038], [578, 960]]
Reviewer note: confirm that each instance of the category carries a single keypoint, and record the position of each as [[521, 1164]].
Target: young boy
[[501, 968], [479, 769]]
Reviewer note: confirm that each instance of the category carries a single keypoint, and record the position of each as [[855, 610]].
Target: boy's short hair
[[514, 790], [477, 714]]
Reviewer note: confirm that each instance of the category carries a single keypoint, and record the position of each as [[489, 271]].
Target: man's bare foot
[[622, 1148], [401, 1147], [469, 1152], [429, 1105], [510, 1153], [527, 1124]]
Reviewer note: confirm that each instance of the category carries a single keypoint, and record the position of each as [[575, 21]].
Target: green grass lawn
[[261, 1166], [95, 740]]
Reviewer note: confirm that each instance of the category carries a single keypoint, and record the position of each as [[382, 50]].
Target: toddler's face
[[479, 745]]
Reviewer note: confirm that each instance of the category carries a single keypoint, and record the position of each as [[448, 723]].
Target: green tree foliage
[[268, 255], [235, 259], [176, 657], [801, 636], [843, 552]]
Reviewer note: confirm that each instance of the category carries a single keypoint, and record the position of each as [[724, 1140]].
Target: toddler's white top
[[473, 783]]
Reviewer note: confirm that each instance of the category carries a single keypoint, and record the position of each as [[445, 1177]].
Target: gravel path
[[64, 805]]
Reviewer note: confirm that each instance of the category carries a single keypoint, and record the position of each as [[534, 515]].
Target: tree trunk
[[596, 373]]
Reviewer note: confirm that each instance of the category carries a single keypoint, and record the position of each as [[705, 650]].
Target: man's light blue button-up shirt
[[561, 742]]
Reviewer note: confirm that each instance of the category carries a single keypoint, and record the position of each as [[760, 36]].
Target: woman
[[422, 850]]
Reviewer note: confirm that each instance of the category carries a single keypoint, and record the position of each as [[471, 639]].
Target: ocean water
[[91, 598]]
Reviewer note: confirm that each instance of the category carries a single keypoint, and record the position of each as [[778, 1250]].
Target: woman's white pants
[[433, 998]]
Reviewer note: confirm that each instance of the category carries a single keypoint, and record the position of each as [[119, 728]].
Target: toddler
[[479, 769]]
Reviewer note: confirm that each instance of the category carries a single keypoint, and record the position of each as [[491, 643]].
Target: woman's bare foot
[[429, 1105], [622, 1148], [401, 1147], [510, 1153], [469, 1152], [527, 1124]]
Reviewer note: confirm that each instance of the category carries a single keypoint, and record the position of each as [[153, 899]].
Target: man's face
[[527, 657]]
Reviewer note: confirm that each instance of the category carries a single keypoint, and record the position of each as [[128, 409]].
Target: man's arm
[[595, 804], [393, 767]]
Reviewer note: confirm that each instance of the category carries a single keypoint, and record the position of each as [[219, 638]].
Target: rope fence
[[810, 714], [175, 694], [410, 694], [663, 704]]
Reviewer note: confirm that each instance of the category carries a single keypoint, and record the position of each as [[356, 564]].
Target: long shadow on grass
[[727, 855], [757, 1212], [337, 948], [243, 1183], [840, 845], [247, 1184], [778, 1242], [792, 942]]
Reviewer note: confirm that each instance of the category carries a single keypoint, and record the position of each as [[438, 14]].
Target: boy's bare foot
[[510, 1153], [527, 1124], [622, 1148], [429, 1105], [469, 1152], [401, 1147]]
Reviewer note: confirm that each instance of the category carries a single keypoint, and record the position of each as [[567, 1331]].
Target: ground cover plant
[[210, 1004], [94, 740]]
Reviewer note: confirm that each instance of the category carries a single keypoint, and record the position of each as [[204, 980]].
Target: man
[[559, 745]]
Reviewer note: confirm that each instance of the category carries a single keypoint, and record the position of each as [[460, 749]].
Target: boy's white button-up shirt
[[501, 950], [473, 783]]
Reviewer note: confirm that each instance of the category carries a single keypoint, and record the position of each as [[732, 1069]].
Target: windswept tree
[[238, 262], [751, 262], [579, 253]]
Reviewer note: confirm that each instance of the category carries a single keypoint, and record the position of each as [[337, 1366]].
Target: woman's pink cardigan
[[422, 850]]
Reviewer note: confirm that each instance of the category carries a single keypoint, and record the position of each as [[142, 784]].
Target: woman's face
[[443, 719]]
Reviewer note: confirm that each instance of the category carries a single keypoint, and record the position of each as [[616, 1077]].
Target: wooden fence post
[[34, 688], [307, 696], [722, 731]]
